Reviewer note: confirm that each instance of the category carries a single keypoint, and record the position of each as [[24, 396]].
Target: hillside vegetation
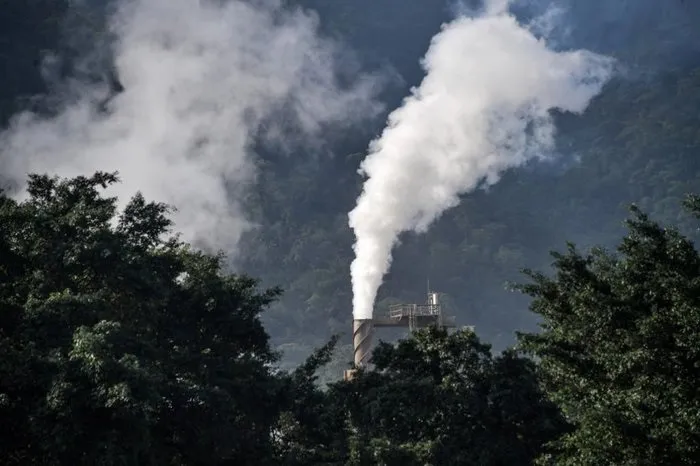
[[122, 345], [637, 142]]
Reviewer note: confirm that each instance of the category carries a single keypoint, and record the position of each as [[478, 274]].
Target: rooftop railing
[[397, 311]]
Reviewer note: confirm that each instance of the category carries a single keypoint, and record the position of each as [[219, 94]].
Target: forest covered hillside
[[637, 142], [180, 182]]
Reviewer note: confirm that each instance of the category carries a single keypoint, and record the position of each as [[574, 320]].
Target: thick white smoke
[[199, 78], [483, 107]]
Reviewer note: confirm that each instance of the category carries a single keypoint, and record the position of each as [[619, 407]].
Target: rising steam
[[199, 79], [483, 107]]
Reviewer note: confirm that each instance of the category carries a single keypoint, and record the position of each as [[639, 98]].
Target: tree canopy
[[444, 399], [121, 345], [619, 350]]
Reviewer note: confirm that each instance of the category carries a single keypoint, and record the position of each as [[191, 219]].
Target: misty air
[[297, 232]]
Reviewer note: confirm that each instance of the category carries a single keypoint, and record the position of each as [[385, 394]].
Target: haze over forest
[[337, 69], [197, 196]]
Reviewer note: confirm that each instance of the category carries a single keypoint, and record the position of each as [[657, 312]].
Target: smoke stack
[[362, 340]]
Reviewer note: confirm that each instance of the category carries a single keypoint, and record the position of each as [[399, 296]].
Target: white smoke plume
[[199, 79], [482, 108]]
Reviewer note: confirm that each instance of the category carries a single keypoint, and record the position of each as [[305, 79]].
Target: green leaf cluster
[[120, 344], [618, 350]]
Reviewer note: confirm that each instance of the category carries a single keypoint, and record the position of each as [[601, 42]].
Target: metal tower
[[413, 316]]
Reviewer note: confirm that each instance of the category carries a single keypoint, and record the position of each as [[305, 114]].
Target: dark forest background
[[121, 345], [638, 142]]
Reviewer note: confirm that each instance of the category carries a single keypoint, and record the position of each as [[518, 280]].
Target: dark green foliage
[[121, 346], [124, 346], [443, 399], [637, 143], [311, 431], [619, 347]]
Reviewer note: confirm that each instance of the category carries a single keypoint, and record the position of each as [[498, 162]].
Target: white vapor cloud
[[200, 78], [482, 108]]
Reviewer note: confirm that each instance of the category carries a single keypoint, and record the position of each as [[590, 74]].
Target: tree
[[311, 430], [619, 347], [122, 345], [440, 398]]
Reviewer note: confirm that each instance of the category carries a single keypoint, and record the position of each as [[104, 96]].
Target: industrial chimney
[[413, 316], [362, 340]]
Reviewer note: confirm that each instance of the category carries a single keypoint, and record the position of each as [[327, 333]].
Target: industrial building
[[412, 316]]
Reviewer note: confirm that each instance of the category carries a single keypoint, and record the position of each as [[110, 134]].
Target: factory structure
[[411, 316]]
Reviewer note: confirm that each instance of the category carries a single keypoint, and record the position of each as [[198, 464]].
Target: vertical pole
[[362, 330]]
